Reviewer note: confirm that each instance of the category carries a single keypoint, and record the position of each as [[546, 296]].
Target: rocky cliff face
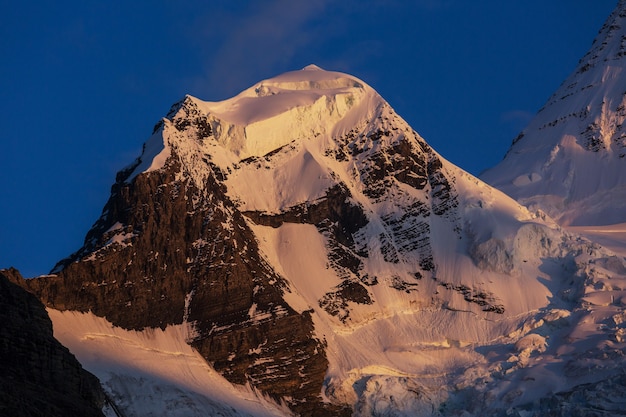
[[39, 377], [163, 253]]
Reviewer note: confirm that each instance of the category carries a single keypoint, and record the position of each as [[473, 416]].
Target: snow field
[[154, 372]]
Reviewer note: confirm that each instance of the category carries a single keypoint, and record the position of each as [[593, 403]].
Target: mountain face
[[40, 377], [570, 160], [315, 248]]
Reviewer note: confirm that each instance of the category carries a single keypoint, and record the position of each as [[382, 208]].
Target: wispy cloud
[[244, 43], [256, 40], [517, 117]]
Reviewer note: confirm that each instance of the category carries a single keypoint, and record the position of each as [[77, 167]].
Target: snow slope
[[154, 372], [570, 160], [433, 293]]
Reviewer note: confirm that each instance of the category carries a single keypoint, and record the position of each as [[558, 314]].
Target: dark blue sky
[[83, 83]]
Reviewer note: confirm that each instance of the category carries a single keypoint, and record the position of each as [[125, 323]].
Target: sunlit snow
[[154, 372]]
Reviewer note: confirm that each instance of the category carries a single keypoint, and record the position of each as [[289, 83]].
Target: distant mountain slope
[[314, 247], [570, 161]]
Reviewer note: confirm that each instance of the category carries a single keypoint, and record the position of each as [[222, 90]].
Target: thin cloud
[[517, 117], [258, 40], [241, 45]]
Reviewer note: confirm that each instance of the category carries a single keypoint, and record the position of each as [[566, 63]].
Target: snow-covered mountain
[[306, 243], [570, 160]]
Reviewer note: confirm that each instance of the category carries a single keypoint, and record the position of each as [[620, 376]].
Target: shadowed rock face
[[39, 377]]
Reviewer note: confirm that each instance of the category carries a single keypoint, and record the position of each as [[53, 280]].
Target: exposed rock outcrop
[[164, 252]]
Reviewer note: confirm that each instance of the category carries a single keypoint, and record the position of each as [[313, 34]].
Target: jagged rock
[[188, 256]]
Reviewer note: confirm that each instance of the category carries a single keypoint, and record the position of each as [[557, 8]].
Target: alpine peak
[[308, 104], [312, 67]]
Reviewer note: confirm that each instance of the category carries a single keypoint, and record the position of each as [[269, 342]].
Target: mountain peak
[[312, 67], [308, 104], [307, 242], [311, 78], [608, 45]]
